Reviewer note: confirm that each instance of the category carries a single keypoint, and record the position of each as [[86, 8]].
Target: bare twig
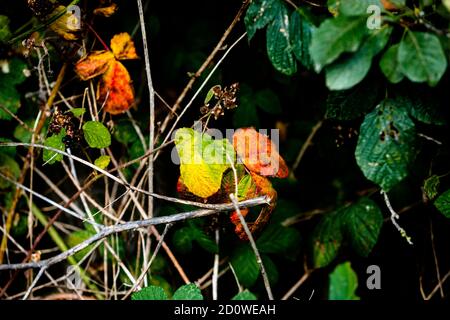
[[215, 275], [436, 262], [395, 217], [297, 285], [254, 247], [307, 143], [134, 225]]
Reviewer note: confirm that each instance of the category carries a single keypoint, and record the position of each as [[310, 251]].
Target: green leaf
[[9, 96], [424, 107], [244, 295], [203, 161], [343, 283], [353, 103], [398, 3], [422, 58], [55, 141], [182, 240], [78, 112], [5, 32], [76, 238], [96, 134], [244, 264], [102, 162], [442, 203], [390, 65], [9, 168], [386, 144], [204, 241], [278, 43], [430, 186], [188, 292], [356, 7], [150, 293], [268, 101], [259, 14], [362, 222], [334, 37], [271, 269], [327, 239], [22, 134], [278, 239], [351, 69], [300, 33], [124, 132], [210, 93], [10, 151]]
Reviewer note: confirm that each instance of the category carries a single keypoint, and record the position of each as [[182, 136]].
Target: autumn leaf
[[65, 26], [203, 161], [114, 89], [106, 11], [123, 47], [259, 154], [95, 64]]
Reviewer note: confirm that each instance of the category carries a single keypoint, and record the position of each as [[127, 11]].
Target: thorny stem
[[395, 217]]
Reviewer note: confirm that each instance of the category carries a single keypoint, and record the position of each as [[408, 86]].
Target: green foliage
[[386, 145], [185, 236], [390, 65], [343, 283], [277, 239], [334, 37], [442, 203], [421, 57], [55, 141], [245, 266], [359, 223], [351, 69], [12, 73], [188, 292], [244, 295], [150, 293], [356, 7], [430, 187], [5, 32], [301, 31], [96, 134], [78, 112], [102, 162]]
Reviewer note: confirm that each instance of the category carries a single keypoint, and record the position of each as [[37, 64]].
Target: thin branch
[[254, 247], [134, 225], [395, 217], [215, 275], [297, 285], [306, 145], [436, 262]]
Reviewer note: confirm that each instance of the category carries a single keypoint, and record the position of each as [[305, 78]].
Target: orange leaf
[[114, 90], [106, 11], [259, 154], [123, 46], [94, 64]]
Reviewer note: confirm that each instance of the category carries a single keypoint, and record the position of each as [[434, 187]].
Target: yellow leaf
[[94, 64], [123, 46], [203, 161], [115, 90], [106, 11]]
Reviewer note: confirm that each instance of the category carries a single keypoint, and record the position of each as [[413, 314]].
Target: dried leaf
[[259, 154], [94, 64], [106, 11], [123, 46], [115, 90]]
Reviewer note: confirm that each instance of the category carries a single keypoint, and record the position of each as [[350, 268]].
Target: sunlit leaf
[[55, 141], [343, 283], [258, 153], [96, 134], [106, 11], [149, 293], [114, 90], [203, 161], [188, 292], [123, 46], [93, 65], [102, 162]]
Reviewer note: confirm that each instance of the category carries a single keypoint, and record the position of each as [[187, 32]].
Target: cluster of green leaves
[[344, 46], [186, 292], [287, 35], [358, 224]]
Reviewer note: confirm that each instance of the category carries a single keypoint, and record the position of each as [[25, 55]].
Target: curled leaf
[[259, 154], [114, 90], [123, 46], [65, 26], [94, 64]]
